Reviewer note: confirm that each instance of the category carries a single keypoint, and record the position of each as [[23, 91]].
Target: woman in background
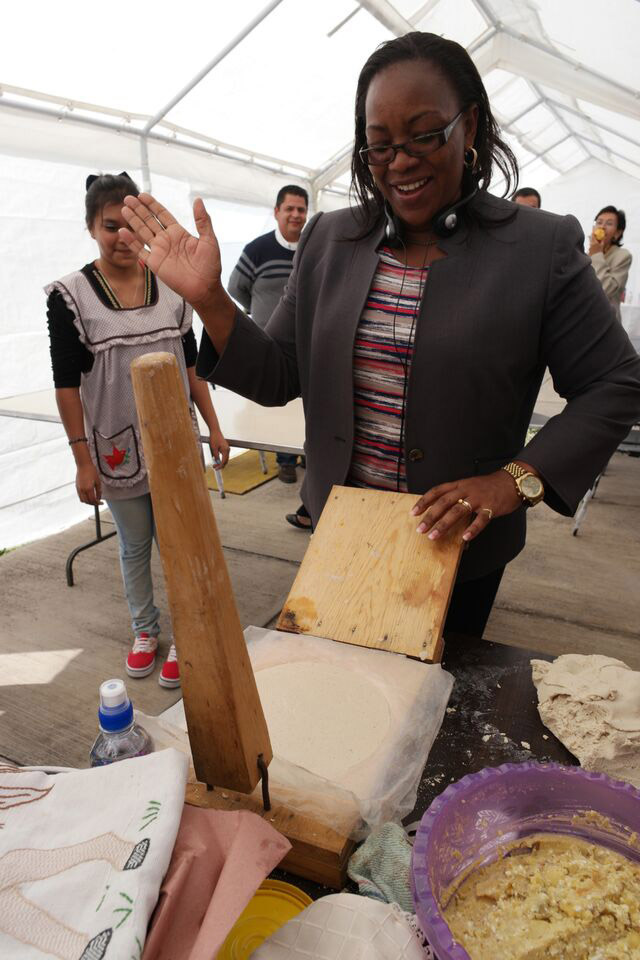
[[610, 262], [100, 319]]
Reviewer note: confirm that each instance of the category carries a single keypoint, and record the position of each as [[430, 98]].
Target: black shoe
[[287, 473], [299, 519]]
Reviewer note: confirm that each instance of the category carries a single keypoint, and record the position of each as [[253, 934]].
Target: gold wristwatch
[[530, 488]]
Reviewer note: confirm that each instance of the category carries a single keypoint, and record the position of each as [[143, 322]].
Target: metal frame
[[99, 537], [219, 57], [498, 46], [260, 447], [528, 58]]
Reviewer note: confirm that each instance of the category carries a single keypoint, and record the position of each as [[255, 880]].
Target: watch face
[[531, 487]]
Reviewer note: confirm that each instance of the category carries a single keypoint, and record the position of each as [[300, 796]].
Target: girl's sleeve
[[69, 358], [190, 347]]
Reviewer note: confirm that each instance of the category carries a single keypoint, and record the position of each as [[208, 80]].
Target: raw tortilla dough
[[592, 704], [322, 717]]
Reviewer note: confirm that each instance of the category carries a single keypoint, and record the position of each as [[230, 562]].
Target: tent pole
[[144, 164], [213, 63]]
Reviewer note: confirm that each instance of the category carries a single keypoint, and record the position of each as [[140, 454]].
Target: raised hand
[[189, 265]]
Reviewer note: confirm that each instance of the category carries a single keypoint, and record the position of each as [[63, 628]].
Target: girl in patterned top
[[101, 318]]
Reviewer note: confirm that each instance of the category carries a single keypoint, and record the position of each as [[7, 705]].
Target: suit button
[[416, 454]]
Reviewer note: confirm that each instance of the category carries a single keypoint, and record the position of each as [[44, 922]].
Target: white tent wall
[[585, 190]]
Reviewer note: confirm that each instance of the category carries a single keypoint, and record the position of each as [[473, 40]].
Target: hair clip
[[93, 177]]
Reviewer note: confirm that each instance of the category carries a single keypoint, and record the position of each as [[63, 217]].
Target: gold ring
[[465, 503], [487, 510]]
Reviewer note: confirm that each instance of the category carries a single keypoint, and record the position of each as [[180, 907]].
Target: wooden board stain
[[421, 590], [298, 616]]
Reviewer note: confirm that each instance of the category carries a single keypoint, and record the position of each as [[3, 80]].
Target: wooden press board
[[368, 578]]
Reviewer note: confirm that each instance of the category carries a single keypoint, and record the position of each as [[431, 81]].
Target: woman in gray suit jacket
[[417, 326]]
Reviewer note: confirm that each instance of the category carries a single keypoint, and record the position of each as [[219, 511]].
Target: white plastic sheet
[[382, 787]]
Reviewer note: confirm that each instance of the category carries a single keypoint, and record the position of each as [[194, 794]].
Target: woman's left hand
[[219, 449], [490, 496]]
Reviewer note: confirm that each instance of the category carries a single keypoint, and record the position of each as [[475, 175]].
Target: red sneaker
[[170, 673], [142, 657]]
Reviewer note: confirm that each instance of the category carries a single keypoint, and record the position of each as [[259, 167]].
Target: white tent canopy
[[277, 80], [231, 101]]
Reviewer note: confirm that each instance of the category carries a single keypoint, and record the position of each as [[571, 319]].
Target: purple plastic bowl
[[474, 817]]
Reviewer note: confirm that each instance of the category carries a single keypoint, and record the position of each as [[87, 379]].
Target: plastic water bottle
[[119, 738]]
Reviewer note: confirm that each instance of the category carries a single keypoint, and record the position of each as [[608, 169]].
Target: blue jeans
[[136, 533], [282, 458]]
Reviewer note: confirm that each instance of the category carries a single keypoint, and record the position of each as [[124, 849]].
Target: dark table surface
[[492, 718]]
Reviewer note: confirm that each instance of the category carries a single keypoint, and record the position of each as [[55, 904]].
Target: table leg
[[85, 546]]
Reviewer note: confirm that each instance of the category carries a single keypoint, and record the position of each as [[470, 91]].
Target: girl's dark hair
[[455, 64], [622, 222], [105, 189]]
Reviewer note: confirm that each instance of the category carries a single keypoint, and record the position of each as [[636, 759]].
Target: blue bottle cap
[[115, 712]]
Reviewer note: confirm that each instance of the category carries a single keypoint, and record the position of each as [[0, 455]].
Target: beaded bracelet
[[77, 440]]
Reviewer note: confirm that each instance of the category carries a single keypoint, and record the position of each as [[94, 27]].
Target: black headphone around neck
[[445, 223]]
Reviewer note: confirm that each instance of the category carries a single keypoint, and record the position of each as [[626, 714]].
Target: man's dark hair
[[622, 222], [105, 189], [296, 191], [527, 192], [455, 64]]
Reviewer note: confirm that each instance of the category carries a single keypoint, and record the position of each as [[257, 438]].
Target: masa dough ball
[[592, 704]]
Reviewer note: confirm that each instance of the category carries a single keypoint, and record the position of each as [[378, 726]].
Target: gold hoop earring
[[470, 158]]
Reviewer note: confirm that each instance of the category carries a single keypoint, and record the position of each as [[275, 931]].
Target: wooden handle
[[226, 724]]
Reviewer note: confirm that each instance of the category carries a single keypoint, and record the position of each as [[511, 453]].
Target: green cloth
[[381, 866]]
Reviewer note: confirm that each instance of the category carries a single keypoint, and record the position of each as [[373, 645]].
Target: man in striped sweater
[[260, 275]]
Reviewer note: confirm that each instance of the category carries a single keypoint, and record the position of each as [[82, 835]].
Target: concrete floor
[[578, 594], [57, 644]]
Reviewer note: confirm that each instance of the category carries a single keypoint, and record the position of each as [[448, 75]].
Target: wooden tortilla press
[[366, 579]]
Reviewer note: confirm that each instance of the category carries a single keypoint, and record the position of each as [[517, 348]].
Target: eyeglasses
[[422, 146]]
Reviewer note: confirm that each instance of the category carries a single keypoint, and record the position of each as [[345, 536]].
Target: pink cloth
[[219, 860]]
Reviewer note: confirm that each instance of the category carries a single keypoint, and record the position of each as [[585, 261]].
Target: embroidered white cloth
[[83, 854]]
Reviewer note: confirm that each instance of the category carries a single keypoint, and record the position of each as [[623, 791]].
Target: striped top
[[382, 357]]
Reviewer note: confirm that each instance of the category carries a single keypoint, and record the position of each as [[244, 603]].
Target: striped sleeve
[[241, 281]]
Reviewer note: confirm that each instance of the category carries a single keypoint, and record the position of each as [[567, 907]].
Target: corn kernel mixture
[[551, 896]]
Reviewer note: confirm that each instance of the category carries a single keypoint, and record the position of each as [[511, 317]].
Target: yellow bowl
[[273, 905]]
